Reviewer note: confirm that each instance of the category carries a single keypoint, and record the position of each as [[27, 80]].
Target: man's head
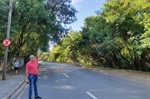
[[32, 58]]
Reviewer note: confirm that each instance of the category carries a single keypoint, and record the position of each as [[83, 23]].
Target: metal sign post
[[7, 37]]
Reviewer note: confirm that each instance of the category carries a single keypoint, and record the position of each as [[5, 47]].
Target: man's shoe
[[38, 97]]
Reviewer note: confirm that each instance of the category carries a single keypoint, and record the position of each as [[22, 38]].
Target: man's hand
[[27, 81], [46, 54]]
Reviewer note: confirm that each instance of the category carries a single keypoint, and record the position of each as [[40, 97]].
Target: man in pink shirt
[[32, 75]]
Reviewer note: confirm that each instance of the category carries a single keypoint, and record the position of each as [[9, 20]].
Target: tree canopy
[[35, 23], [117, 37]]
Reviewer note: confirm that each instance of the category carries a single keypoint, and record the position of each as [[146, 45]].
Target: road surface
[[61, 81]]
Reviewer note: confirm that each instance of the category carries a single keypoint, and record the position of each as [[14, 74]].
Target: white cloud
[[76, 4], [76, 1]]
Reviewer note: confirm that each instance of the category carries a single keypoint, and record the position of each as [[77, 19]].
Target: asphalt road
[[61, 81]]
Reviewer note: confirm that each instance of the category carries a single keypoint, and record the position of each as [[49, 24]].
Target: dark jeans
[[33, 82]]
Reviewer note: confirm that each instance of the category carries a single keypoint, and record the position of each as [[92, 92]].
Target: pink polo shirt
[[32, 67]]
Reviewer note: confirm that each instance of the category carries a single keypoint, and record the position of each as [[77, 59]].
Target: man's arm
[[27, 73], [40, 58]]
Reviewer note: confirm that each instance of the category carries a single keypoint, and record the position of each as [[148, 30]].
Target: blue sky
[[85, 8]]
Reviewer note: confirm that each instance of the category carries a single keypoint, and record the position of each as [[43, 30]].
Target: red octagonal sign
[[6, 42]]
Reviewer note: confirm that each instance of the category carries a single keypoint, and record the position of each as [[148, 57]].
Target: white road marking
[[66, 75], [91, 95]]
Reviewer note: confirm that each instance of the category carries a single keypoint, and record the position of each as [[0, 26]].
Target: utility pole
[[7, 37]]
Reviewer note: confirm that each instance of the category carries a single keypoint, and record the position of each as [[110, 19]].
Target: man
[[32, 75]]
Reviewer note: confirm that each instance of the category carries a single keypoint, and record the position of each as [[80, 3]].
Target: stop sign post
[[6, 42]]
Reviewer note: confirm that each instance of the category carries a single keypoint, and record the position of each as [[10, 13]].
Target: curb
[[14, 90]]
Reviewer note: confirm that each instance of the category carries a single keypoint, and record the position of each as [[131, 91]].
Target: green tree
[[34, 23], [117, 37], [67, 49]]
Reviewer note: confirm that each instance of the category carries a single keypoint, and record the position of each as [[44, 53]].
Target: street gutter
[[14, 91]]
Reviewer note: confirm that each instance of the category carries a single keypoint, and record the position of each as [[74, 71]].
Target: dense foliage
[[117, 37], [34, 24]]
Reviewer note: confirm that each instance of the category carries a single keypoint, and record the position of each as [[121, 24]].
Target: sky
[[85, 8]]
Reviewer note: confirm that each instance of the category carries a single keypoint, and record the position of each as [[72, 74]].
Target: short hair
[[32, 56]]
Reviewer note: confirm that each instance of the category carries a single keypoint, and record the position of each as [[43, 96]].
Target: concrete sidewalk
[[12, 81]]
